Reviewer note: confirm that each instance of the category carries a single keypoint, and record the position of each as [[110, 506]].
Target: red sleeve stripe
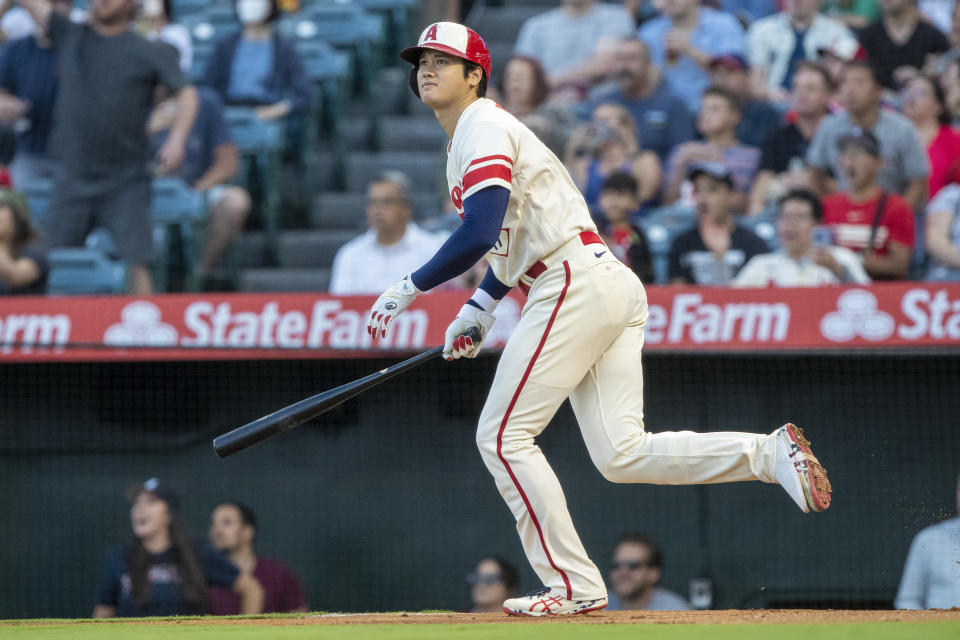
[[482, 174], [506, 159]]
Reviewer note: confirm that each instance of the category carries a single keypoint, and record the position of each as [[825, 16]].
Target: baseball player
[[579, 335]]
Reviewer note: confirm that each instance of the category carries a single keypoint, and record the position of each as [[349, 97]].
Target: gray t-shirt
[[904, 157], [106, 92]]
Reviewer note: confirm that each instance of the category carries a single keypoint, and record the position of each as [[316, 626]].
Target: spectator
[[211, 161], [718, 121], [524, 92], [233, 528], [685, 39], [905, 169], [856, 14], [163, 571], [28, 91], [931, 575], [834, 59], [23, 260], [714, 251], [574, 41], [15, 22], [635, 571], [660, 115], [900, 40], [608, 144], [257, 67], [802, 260], [778, 43], [782, 161], [868, 219], [493, 581], [758, 118], [101, 144], [393, 244], [937, 12], [925, 105], [943, 234], [619, 207], [155, 22]]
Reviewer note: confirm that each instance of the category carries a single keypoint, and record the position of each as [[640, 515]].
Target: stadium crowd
[[793, 143]]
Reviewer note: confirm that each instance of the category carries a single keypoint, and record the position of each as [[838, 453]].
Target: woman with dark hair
[[23, 260], [925, 105], [257, 66], [155, 22], [163, 571], [524, 92], [493, 581]]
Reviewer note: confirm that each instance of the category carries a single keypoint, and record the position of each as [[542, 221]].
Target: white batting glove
[[458, 345], [389, 305]]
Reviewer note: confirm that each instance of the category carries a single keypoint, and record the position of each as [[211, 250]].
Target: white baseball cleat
[[545, 602], [799, 472]]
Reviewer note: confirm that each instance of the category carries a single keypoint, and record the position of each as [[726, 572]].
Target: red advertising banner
[[305, 325]]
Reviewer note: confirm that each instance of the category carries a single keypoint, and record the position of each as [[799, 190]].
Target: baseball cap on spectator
[[159, 489], [732, 61], [716, 170], [860, 139], [847, 49]]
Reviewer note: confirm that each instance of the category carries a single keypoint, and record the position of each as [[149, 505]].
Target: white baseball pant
[[580, 335]]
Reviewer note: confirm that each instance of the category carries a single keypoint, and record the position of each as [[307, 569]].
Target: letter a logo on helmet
[[449, 37]]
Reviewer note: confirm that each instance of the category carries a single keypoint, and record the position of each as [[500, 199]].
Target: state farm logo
[[857, 316], [140, 326]]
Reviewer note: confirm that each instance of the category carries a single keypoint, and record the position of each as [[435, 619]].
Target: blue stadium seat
[[84, 271], [174, 206], [212, 24], [764, 228], [202, 51], [38, 194]]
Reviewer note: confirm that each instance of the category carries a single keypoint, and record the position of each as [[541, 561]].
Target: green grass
[[552, 630]]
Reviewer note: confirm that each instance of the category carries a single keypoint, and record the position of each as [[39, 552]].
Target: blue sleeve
[[483, 214], [493, 286], [108, 593], [217, 568]]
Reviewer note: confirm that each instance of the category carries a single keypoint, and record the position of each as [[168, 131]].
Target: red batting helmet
[[448, 37]]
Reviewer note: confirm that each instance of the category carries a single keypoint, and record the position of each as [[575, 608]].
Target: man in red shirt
[[232, 529], [866, 219]]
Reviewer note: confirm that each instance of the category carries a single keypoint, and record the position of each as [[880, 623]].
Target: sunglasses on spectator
[[632, 565], [484, 578]]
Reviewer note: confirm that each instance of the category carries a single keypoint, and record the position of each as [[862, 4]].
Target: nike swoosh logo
[[597, 255]]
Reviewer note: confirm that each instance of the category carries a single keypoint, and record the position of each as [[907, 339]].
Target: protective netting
[[385, 504]]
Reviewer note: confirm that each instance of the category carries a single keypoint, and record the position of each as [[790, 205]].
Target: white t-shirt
[[364, 266], [780, 270], [771, 41], [490, 147]]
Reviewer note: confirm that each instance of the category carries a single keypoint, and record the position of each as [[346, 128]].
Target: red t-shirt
[[281, 591], [944, 153], [851, 221]]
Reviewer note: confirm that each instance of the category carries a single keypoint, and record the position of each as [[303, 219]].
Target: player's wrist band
[[483, 300]]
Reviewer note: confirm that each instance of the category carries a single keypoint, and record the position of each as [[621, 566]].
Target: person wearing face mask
[[163, 571], [155, 22], [257, 67]]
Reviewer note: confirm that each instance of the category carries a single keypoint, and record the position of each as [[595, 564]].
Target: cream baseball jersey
[[490, 147]]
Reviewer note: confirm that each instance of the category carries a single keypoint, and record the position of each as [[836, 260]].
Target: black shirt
[[781, 147], [691, 260], [106, 94], [885, 55]]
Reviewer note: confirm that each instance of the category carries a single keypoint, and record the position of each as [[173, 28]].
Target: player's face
[[487, 589], [630, 570], [711, 196], [149, 515], [227, 531], [440, 79], [795, 226]]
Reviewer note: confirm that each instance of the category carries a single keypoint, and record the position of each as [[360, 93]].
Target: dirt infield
[[731, 616]]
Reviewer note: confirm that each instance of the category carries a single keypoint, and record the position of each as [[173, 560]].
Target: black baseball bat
[[296, 414]]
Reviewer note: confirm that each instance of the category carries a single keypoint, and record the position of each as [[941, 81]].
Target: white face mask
[[253, 11], [151, 8]]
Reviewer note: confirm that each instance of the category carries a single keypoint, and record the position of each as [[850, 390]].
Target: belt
[[534, 272]]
